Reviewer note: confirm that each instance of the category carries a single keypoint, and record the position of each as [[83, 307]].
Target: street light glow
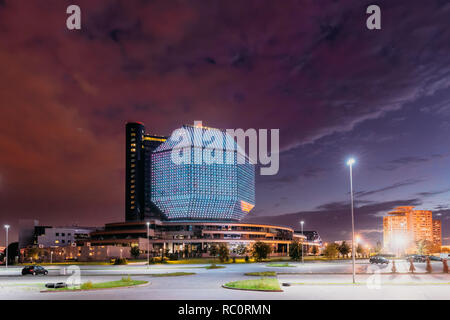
[[6, 226], [350, 161]]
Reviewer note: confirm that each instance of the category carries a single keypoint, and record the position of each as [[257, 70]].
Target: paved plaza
[[312, 280]]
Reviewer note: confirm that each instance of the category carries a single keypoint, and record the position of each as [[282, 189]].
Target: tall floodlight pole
[[6, 255], [148, 245], [350, 163], [301, 223]]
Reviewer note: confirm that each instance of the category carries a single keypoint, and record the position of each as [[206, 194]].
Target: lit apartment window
[[133, 150], [132, 207], [133, 144], [133, 134], [56, 241]]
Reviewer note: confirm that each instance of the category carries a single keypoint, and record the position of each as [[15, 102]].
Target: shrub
[[135, 251], [120, 261], [126, 279], [87, 285], [173, 256], [234, 259]]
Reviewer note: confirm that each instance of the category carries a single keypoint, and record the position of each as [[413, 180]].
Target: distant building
[[311, 236], [138, 159], [192, 205], [404, 227], [26, 232], [437, 233], [47, 236]]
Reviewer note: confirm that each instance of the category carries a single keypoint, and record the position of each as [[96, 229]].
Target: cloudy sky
[[310, 68]]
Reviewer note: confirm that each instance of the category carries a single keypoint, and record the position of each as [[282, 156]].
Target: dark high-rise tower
[[139, 147], [151, 142], [134, 171]]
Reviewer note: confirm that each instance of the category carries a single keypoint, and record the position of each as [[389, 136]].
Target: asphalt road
[[312, 280]]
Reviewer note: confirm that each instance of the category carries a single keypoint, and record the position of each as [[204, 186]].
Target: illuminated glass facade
[[195, 190]]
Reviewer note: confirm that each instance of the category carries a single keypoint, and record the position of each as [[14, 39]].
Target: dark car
[[34, 270], [418, 258], [434, 258], [378, 259]]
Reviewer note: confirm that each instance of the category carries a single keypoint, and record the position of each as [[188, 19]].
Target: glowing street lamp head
[[6, 226], [350, 161], [148, 223]]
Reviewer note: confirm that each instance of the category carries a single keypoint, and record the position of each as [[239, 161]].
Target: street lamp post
[[51, 257], [148, 245], [301, 223], [350, 163], [6, 251]]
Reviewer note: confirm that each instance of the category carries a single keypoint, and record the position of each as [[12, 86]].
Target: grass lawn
[[262, 274], [124, 282], [270, 284], [213, 266], [280, 265]]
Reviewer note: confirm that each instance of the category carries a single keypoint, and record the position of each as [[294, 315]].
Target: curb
[[224, 286], [96, 289], [367, 274]]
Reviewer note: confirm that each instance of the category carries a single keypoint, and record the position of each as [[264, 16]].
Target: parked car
[[434, 258], [34, 270], [417, 258], [56, 285], [378, 259]]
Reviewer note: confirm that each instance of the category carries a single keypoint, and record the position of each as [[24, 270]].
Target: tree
[[424, 246], [314, 250], [344, 249], [224, 253], [13, 252], [241, 249], [213, 251], [33, 253], [331, 250], [295, 250], [378, 247], [135, 251], [359, 249], [261, 250]]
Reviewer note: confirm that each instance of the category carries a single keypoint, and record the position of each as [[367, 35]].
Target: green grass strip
[[262, 274], [264, 284]]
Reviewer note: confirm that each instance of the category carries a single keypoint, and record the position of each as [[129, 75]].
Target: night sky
[[310, 68]]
